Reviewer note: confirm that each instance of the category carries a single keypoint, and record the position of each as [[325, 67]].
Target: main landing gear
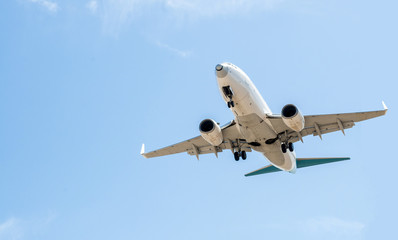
[[286, 146], [231, 104], [239, 154]]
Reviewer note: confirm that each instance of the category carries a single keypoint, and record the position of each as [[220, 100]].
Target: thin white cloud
[[117, 13], [92, 6], [211, 8], [320, 227], [15, 228], [10, 229], [333, 225], [49, 5], [176, 51]]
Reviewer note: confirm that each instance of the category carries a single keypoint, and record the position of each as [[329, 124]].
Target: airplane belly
[[284, 161], [245, 106], [254, 129]]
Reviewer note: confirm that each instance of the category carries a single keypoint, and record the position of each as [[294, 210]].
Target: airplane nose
[[221, 70]]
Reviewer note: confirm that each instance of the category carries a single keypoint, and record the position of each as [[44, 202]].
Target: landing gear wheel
[[232, 104], [291, 148], [237, 156], [229, 104], [244, 156], [283, 147]]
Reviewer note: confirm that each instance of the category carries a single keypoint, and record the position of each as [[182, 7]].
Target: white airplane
[[256, 128]]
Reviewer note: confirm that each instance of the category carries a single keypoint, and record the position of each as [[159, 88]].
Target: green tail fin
[[308, 162], [301, 162]]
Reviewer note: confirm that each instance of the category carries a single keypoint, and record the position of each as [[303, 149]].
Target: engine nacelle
[[292, 117], [211, 132]]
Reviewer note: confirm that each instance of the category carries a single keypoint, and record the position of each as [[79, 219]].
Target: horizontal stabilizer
[[308, 162], [301, 162], [266, 169]]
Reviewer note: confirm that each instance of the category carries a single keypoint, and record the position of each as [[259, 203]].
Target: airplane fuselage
[[246, 103], [256, 128]]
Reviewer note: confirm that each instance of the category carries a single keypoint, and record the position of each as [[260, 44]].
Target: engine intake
[[211, 132], [292, 117]]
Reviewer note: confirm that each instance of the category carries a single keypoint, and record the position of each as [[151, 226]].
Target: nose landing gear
[[228, 93]]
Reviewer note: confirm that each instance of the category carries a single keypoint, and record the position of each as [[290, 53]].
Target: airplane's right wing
[[198, 145]]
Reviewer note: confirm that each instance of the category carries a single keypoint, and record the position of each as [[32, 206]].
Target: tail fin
[[301, 162]]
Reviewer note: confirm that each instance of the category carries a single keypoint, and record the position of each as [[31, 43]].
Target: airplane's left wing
[[317, 125], [198, 145]]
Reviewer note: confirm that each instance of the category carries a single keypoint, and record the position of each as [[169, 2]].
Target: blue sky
[[85, 83]]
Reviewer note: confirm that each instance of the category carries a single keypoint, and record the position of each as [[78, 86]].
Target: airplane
[[256, 128]]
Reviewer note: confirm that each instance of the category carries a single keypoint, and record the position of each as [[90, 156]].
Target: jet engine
[[292, 117], [211, 132]]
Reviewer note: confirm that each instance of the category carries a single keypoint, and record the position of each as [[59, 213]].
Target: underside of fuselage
[[250, 111]]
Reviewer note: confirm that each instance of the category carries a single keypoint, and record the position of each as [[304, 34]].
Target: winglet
[[384, 106], [143, 151]]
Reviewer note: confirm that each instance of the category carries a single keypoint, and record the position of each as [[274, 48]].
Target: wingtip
[[384, 105], [142, 149]]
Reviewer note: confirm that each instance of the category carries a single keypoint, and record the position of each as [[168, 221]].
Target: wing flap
[[310, 120], [212, 149], [327, 128], [177, 148]]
